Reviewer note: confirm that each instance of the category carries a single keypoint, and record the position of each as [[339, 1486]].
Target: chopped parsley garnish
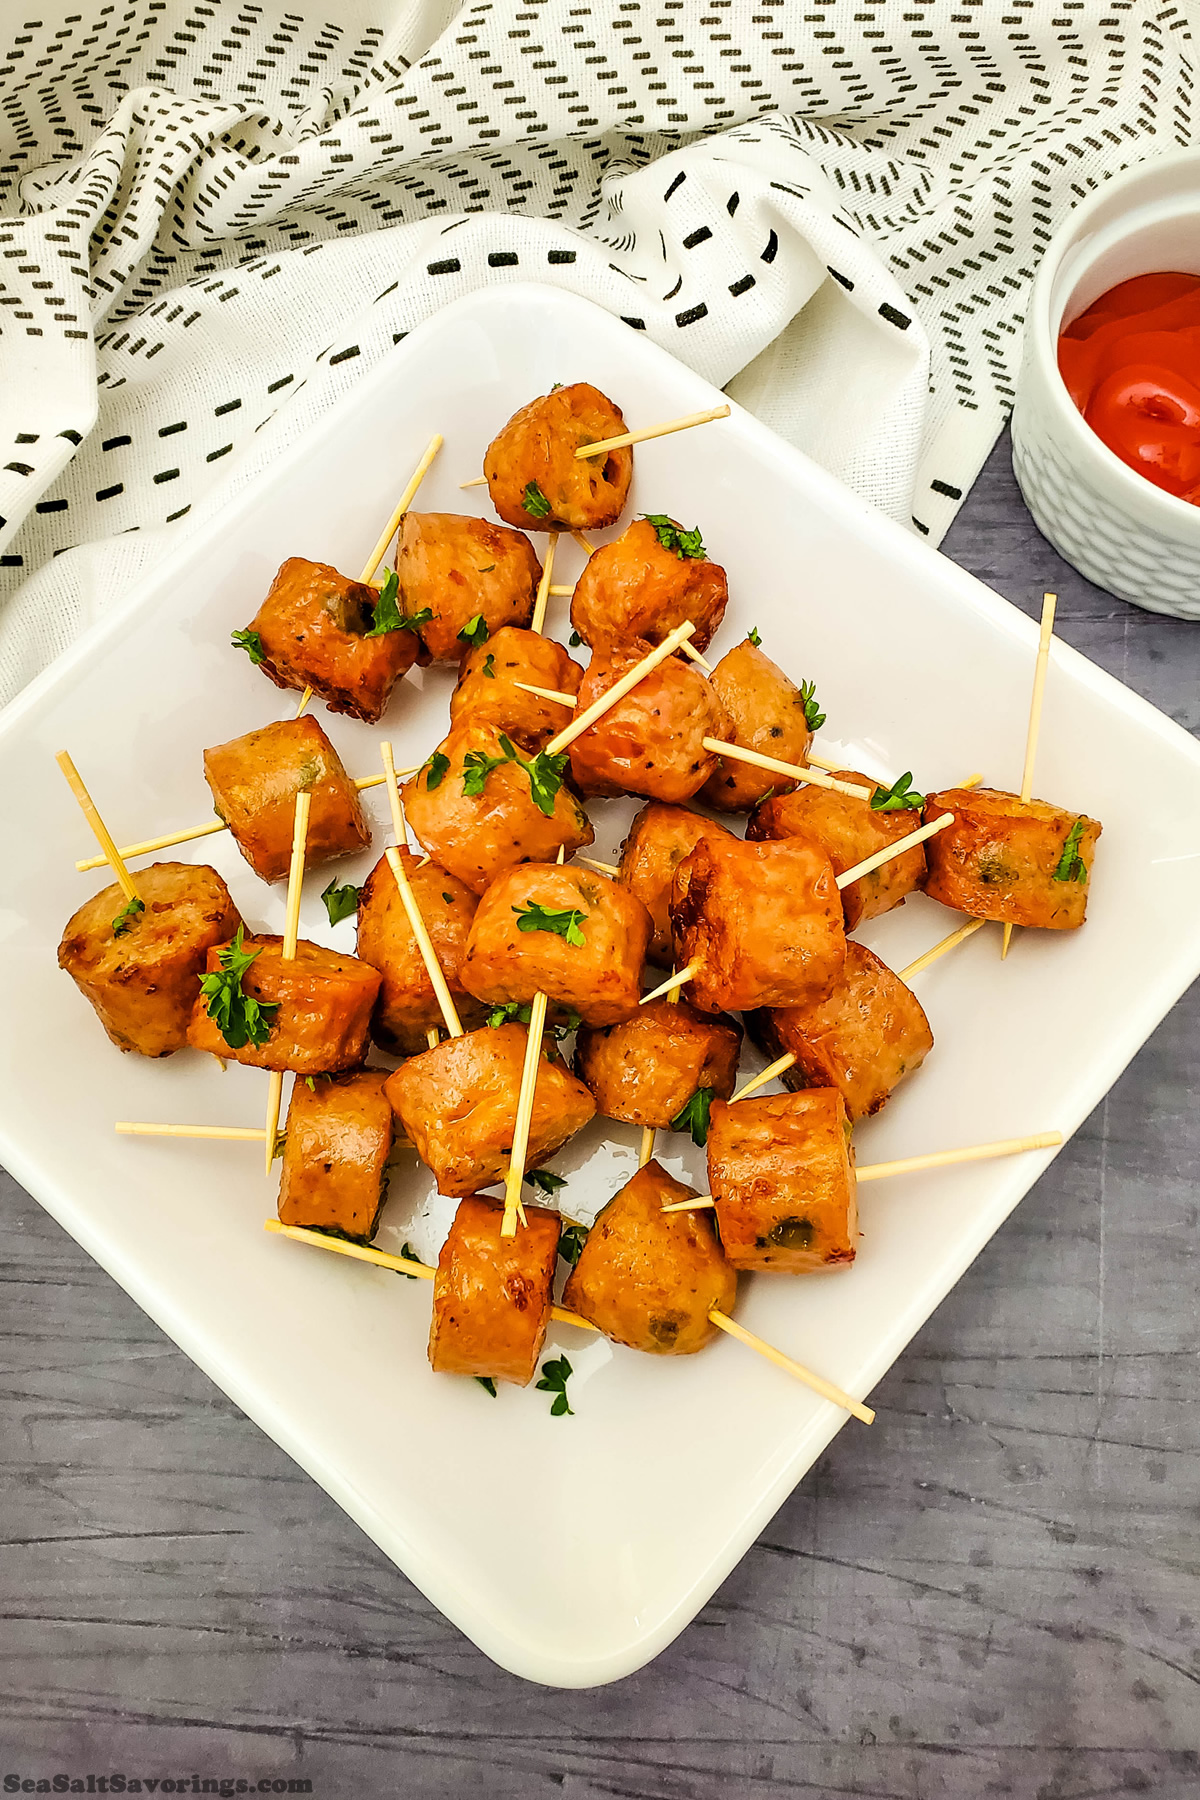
[[340, 902], [571, 1242], [310, 1084], [488, 1383], [489, 666], [535, 502], [556, 387], [899, 797], [555, 1375], [514, 1012], [474, 632], [1071, 866], [449, 899], [251, 643], [388, 616], [673, 537], [127, 915], [238, 1017], [814, 718], [437, 765], [565, 922], [545, 1179], [752, 636], [694, 1116], [406, 1249], [545, 772]]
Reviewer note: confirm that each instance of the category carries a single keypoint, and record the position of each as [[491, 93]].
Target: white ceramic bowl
[[1117, 528]]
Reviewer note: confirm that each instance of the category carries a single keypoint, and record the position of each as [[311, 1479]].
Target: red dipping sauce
[[1131, 363]]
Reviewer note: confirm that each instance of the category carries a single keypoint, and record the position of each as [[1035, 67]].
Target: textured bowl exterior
[[1115, 527], [1103, 539]]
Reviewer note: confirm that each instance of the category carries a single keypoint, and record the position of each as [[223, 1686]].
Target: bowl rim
[[1180, 517]]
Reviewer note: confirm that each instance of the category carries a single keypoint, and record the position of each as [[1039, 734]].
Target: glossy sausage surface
[[324, 1017], [255, 780], [849, 831], [461, 568], [659, 839], [407, 1006], [651, 741], [781, 1171], [646, 1069], [1008, 859], [487, 691], [315, 628], [637, 589], [492, 1295], [532, 460], [767, 713], [339, 1137]]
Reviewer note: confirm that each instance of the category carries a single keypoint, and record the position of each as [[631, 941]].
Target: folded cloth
[[214, 219]]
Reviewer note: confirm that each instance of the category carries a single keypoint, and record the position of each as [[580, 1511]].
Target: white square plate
[[571, 1550]]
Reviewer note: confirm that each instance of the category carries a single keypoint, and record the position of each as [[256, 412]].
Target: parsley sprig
[[814, 718], [752, 636], [388, 616], [1071, 866], [436, 768], [571, 1242], [545, 772], [126, 916], [238, 1017], [899, 797], [488, 1383], [514, 1012], [340, 902], [475, 632], [555, 1375], [673, 537], [545, 1180], [694, 1116], [563, 922], [489, 666], [535, 502], [251, 643]]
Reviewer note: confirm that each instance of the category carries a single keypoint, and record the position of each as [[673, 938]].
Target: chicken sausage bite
[[463, 572], [759, 924], [474, 806], [407, 1006], [659, 839], [319, 629], [770, 714], [487, 691], [863, 1039], [652, 741], [849, 830], [339, 1136], [492, 1294], [311, 1013], [534, 477], [254, 782], [781, 1172], [647, 1278], [652, 578], [565, 932], [1023, 862], [141, 969], [648, 1068], [458, 1104]]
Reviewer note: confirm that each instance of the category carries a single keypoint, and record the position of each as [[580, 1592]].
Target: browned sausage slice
[[492, 1295]]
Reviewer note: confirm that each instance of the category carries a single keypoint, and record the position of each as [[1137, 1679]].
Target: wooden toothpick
[[619, 689], [817, 1383], [939, 950], [802, 772], [538, 621], [433, 967], [1049, 605], [291, 936], [870, 863], [112, 856], [652, 431]]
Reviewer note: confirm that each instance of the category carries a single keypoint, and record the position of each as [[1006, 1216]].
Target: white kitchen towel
[[216, 215]]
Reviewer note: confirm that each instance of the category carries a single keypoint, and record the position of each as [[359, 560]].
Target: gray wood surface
[[993, 1592]]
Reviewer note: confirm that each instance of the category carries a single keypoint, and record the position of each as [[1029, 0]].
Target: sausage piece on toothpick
[[1023, 862], [782, 1176], [652, 741], [651, 578], [140, 966], [649, 1068], [575, 936], [408, 1006], [313, 1009], [458, 1100], [657, 842], [463, 579], [534, 477], [645, 1283], [484, 802], [863, 1039], [494, 682], [769, 713], [850, 830], [339, 1137], [492, 1296], [255, 780]]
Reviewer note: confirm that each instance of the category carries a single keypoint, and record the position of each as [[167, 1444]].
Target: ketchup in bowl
[[1131, 364]]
